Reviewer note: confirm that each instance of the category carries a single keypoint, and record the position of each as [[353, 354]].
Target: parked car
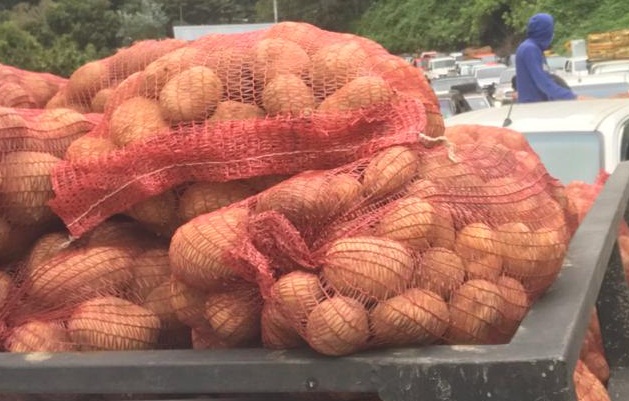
[[503, 92], [488, 74], [575, 139], [611, 66], [441, 67], [576, 66], [478, 100], [599, 85], [465, 67], [444, 85]]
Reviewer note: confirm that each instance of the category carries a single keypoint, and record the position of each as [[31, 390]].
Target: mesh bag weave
[[26, 89], [226, 107]]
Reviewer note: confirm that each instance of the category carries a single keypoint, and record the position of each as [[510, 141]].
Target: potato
[[205, 197], [233, 110], [310, 197], [160, 71], [297, 294], [140, 54], [338, 326], [368, 268], [259, 184], [335, 65], [110, 323], [304, 34], [99, 102], [12, 94], [79, 275], [287, 94], [441, 271], [418, 224], [486, 267], [389, 171], [5, 233], [476, 240], [516, 305], [39, 336], [47, 247], [475, 312], [206, 339], [278, 331], [63, 125], [150, 269], [438, 167], [88, 147], [40, 88], [198, 249], [126, 234], [234, 315], [87, 80], [275, 56], [413, 317], [26, 187], [188, 304], [134, 120], [359, 92], [533, 257], [157, 213], [159, 302], [233, 64], [192, 94]]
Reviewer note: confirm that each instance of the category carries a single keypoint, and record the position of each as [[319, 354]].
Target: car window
[[477, 103], [446, 108], [559, 151]]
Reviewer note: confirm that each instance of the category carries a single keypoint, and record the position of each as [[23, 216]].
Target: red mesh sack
[[587, 386], [111, 290], [32, 141], [89, 87], [27, 89], [410, 246], [231, 107], [592, 352]]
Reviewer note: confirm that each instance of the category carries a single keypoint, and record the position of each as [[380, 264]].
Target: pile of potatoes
[[409, 247], [32, 142], [27, 89], [292, 70]]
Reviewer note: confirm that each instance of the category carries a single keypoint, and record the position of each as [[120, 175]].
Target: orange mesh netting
[[411, 246], [228, 107], [27, 89]]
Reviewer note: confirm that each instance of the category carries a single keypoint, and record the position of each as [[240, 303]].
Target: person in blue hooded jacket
[[534, 84]]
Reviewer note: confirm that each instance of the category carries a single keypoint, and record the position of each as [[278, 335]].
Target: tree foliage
[[60, 35]]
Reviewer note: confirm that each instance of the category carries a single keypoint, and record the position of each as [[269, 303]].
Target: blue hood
[[541, 29]]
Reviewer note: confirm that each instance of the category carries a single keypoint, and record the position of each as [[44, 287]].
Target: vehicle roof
[[610, 62], [567, 115]]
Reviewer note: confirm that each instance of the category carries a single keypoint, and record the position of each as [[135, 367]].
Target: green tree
[[19, 48], [91, 22], [336, 15], [141, 19]]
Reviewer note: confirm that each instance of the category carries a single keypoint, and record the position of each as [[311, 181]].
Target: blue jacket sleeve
[[533, 60]]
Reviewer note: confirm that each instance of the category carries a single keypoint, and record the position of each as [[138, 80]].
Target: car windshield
[[490, 72], [559, 150], [442, 63], [604, 90]]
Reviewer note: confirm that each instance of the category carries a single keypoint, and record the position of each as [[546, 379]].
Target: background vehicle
[[465, 67], [574, 139], [443, 85], [503, 92], [599, 85], [611, 66], [488, 74], [441, 67]]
